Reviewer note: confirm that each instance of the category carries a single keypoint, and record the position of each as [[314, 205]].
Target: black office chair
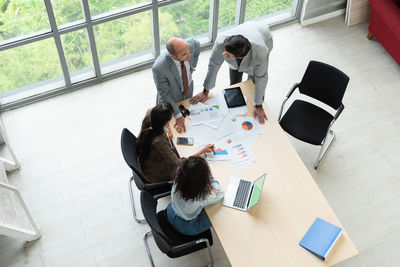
[[161, 189], [168, 240], [308, 122]]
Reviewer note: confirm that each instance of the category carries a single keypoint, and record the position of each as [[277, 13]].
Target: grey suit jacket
[[255, 63], [167, 78]]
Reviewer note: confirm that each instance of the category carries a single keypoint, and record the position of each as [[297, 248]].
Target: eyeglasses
[[184, 111]]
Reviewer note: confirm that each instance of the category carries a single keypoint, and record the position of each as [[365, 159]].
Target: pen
[[212, 148]]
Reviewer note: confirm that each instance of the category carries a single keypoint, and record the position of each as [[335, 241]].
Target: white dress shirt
[[189, 74]]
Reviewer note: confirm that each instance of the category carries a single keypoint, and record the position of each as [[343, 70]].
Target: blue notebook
[[320, 238]]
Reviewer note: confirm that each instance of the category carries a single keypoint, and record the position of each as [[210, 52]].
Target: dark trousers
[[236, 76]]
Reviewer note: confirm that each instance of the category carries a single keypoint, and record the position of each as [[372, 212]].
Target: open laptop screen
[[256, 193]]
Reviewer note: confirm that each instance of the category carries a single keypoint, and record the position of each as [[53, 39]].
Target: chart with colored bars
[[220, 151], [240, 151], [246, 125], [203, 114]]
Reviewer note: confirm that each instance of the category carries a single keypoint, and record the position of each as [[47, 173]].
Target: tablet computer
[[234, 97]]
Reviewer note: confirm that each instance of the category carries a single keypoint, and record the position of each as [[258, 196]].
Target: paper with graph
[[213, 123]]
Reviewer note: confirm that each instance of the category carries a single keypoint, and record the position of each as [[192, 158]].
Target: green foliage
[[227, 12], [115, 39], [23, 17], [101, 6], [190, 18], [123, 37], [31, 63], [259, 8]]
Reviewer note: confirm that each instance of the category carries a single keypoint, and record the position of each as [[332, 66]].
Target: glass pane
[[67, 11], [260, 8], [101, 6], [227, 12], [188, 18], [124, 42], [20, 17], [29, 64], [78, 55]]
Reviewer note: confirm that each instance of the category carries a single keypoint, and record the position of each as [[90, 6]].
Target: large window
[[78, 55], [18, 18], [187, 18], [50, 46], [260, 8], [24, 65], [122, 42]]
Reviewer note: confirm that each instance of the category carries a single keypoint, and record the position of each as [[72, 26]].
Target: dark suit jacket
[[162, 161]]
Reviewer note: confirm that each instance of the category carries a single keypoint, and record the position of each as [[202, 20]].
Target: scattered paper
[[213, 123], [201, 113], [248, 125]]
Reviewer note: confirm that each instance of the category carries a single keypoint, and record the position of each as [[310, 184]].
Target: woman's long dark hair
[[159, 116], [193, 179]]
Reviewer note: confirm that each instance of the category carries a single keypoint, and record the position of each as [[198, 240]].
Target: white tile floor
[[74, 179]]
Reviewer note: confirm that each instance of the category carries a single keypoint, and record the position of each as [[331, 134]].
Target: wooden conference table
[[269, 233]]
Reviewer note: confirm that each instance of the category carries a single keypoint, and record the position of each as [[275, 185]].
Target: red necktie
[[184, 78]]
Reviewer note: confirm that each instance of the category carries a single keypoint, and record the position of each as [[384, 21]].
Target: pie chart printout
[[247, 126]]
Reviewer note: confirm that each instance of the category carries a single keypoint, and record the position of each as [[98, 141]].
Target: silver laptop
[[243, 194]]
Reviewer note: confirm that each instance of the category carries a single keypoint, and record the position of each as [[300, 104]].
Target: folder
[[320, 238]]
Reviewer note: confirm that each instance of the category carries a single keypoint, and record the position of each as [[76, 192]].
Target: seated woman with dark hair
[[157, 156], [194, 188]]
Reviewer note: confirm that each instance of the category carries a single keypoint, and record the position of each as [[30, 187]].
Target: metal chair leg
[[209, 250], [324, 147], [147, 247], [137, 219]]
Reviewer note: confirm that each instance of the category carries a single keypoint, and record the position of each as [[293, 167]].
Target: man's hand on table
[[180, 124], [200, 97], [259, 114]]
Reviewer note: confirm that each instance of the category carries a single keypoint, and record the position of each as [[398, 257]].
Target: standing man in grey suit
[[172, 74], [245, 48]]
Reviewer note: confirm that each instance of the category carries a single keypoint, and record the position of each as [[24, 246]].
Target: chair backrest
[[128, 147], [149, 208], [324, 83]]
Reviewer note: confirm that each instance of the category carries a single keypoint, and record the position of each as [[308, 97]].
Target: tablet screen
[[234, 97]]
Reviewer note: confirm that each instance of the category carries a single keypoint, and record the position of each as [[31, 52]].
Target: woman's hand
[[216, 191], [208, 149], [170, 134]]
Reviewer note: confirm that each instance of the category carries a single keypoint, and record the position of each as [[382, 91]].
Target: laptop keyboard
[[241, 194]]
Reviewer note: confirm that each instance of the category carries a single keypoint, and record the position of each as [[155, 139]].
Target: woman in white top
[[194, 188]]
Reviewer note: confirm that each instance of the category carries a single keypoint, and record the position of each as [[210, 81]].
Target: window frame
[[88, 22]]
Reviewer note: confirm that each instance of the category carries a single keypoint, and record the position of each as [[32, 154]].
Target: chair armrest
[[191, 244], [157, 197], [338, 112], [8, 187], [295, 85], [183, 246], [157, 185]]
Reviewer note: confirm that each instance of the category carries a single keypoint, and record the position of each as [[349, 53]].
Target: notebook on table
[[320, 238], [243, 194]]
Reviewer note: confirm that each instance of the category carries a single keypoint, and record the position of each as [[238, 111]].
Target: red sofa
[[384, 25]]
